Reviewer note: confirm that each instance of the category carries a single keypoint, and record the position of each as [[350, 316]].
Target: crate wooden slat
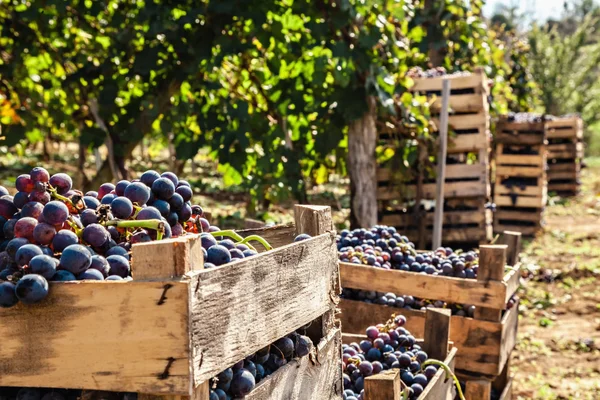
[[156, 333], [484, 345], [459, 217], [521, 133], [565, 128]]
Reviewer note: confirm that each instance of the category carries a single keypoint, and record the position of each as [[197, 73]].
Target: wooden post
[[165, 259], [312, 220], [513, 241], [492, 259], [478, 390], [362, 168], [384, 386], [438, 220], [437, 333]]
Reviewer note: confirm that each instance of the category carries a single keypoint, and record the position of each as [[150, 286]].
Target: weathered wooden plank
[[520, 171], [451, 189], [504, 125], [462, 103], [518, 216], [453, 171], [386, 385], [530, 191], [533, 160], [312, 377], [269, 295], [478, 342], [564, 123], [513, 242], [492, 259], [461, 235], [507, 392], [573, 166], [437, 332], [552, 175], [468, 81], [450, 218], [461, 122], [573, 147], [166, 258], [116, 336], [525, 230], [277, 236], [510, 325], [441, 387], [464, 291], [478, 389], [564, 187], [520, 201]]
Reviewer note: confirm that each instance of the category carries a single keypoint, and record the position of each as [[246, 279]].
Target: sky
[[539, 10]]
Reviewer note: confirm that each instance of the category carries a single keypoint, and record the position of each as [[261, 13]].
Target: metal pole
[[438, 220]]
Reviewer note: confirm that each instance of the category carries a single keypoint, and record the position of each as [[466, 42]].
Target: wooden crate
[[565, 128], [521, 133], [387, 385], [484, 342], [480, 388], [176, 325], [469, 120]]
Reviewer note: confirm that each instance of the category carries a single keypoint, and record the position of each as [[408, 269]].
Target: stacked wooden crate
[[484, 343], [520, 187], [467, 185], [565, 152], [177, 325]]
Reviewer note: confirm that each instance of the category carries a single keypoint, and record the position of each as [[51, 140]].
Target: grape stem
[[54, 194], [240, 240], [154, 224], [449, 374], [259, 239]]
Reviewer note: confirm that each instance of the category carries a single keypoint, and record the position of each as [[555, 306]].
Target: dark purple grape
[[92, 193], [183, 183], [225, 376], [163, 188], [39, 174], [14, 245], [119, 265], [26, 253], [41, 197], [301, 237], [55, 213], [242, 383], [105, 189], [141, 236], [7, 208], [185, 192], [218, 255], [91, 202], [75, 258], [138, 193], [121, 207], [173, 218], [416, 389], [176, 202], [24, 183], [197, 210], [113, 278], [32, 209], [148, 213], [185, 213], [8, 296], [120, 187], [149, 177], [172, 177], [20, 199], [43, 265], [162, 206], [177, 230], [88, 217], [430, 371], [43, 233], [24, 228], [63, 239], [3, 191], [207, 240], [61, 182], [107, 199], [283, 346], [95, 235], [90, 274], [63, 276], [32, 289], [99, 263], [47, 251]]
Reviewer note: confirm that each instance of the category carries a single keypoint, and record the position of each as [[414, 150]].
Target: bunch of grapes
[[419, 72], [382, 247], [526, 117], [239, 380], [387, 346], [52, 232]]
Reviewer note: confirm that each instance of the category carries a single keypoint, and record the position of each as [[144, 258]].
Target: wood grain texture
[[386, 385], [512, 215], [313, 220], [313, 377], [453, 171], [520, 171], [480, 389], [528, 191], [255, 301], [117, 336], [479, 343], [520, 201], [488, 293], [507, 392], [437, 332], [492, 259], [467, 81], [480, 216], [276, 236], [440, 387], [510, 325], [513, 242], [166, 258], [525, 230]]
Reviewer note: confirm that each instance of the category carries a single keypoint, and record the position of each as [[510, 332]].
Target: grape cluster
[[386, 346], [383, 247], [237, 381], [526, 117], [52, 232], [419, 72]]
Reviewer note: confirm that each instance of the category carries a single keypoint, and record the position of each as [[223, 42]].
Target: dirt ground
[[558, 351]]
